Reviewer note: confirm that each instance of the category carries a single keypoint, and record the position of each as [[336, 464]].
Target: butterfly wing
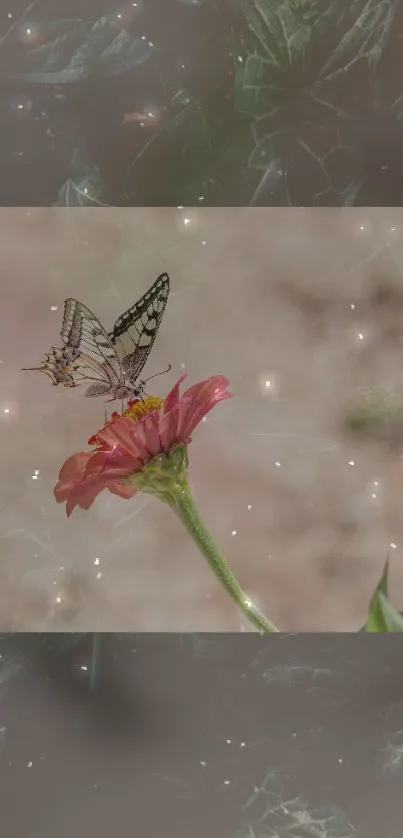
[[95, 359], [135, 331], [58, 365]]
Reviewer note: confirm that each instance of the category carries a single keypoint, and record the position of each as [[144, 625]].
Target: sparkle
[[30, 764], [96, 560], [242, 744], [54, 308], [84, 668], [228, 741], [99, 575], [227, 782], [351, 463], [233, 532], [203, 763], [186, 221], [249, 507], [393, 229], [58, 599], [6, 410], [204, 242], [277, 464], [352, 306], [393, 545]]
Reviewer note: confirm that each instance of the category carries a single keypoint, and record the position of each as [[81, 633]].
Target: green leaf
[[365, 39], [80, 50], [382, 616], [378, 415], [299, 95], [83, 187]]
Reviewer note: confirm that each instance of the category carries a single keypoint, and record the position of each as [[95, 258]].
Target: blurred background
[[228, 735], [299, 476]]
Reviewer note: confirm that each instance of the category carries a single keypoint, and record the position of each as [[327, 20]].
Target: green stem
[[183, 504]]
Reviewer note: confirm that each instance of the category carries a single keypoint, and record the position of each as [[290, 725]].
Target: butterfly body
[[110, 362]]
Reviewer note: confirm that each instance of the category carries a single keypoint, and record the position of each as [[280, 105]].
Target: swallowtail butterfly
[[110, 362]]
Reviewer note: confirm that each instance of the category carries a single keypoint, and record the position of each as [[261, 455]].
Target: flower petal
[[169, 427], [173, 395], [119, 433], [71, 472], [199, 399], [111, 465], [122, 490], [81, 479], [82, 496], [148, 432], [81, 492]]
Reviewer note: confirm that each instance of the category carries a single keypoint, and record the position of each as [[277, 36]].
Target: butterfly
[[111, 362]]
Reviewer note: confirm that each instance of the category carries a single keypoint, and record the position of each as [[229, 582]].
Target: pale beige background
[[300, 308]]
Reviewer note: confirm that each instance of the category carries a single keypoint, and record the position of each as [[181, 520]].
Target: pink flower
[[127, 443]]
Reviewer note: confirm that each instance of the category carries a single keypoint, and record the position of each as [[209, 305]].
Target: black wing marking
[[134, 332], [96, 359]]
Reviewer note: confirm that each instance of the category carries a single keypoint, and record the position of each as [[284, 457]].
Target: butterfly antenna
[[162, 372]]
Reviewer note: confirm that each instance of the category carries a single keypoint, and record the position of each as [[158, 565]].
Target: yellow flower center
[[137, 410]]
